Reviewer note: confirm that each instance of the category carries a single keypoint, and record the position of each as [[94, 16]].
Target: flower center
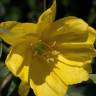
[[40, 48], [44, 51]]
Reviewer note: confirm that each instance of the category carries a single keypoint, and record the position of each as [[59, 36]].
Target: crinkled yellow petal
[[52, 86], [18, 61], [60, 88], [88, 66], [14, 32], [67, 61], [81, 52], [68, 29], [24, 73], [91, 36], [48, 15], [23, 89], [14, 62], [43, 81], [71, 75], [46, 18]]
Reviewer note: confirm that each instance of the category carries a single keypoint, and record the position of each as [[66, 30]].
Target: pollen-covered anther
[[50, 60], [55, 52], [54, 43]]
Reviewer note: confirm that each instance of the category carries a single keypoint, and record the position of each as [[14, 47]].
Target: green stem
[[44, 5]]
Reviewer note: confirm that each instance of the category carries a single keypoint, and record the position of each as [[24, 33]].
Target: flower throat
[[40, 48]]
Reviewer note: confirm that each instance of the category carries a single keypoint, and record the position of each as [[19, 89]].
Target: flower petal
[[43, 81], [88, 66], [53, 86], [14, 32], [23, 89], [18, 61], [64, 71], [74, 63], [80, 51], [68, 29], [59, 88], [46, 18]]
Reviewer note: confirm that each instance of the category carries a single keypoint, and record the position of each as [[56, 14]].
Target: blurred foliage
[[29, 11]]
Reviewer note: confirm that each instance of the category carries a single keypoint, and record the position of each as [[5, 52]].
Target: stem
[[45, 5]]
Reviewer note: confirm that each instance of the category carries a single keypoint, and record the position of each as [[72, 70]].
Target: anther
[[50, 60], [54, 43], [55, 52]]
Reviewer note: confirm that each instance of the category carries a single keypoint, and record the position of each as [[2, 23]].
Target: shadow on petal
[[40, 69]]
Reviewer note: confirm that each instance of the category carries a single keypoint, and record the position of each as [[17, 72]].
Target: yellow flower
[[49, 56]]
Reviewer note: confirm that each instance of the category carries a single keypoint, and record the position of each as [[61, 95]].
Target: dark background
[[29, 11]]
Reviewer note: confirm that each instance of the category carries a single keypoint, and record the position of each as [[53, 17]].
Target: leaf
[[3, 71], [93, 77], [11, 89], [82, 89], [76, 91], [1, 49]]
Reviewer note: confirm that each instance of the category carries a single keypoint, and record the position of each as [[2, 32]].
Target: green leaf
[[1, 49], [76, 91], [93, 77], [3, 71], [11, 87], [83, 89]]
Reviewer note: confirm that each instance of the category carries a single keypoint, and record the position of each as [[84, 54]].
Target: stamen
[[40, 48], [55, 52], [54, 43], [44, 51], [50, 60]]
